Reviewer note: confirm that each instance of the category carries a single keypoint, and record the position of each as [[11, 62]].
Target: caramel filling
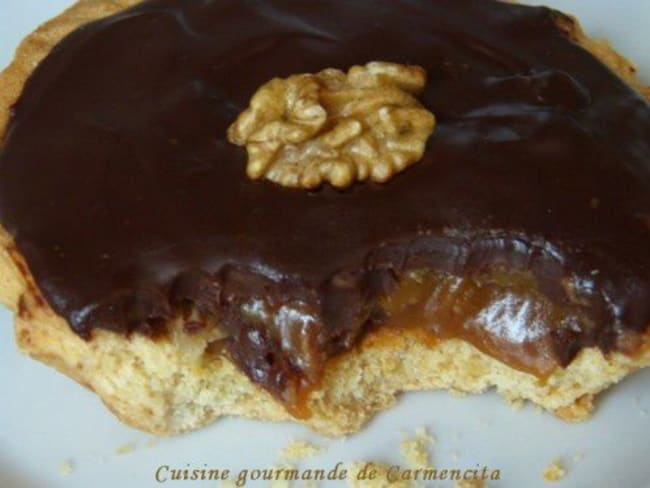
[[503, 315]]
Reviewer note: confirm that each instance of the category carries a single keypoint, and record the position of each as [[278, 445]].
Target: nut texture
[[335, 127]]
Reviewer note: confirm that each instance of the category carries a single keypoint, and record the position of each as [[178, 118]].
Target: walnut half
[[335, 127]]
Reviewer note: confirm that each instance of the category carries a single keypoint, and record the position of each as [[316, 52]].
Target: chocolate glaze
[[126, 200]]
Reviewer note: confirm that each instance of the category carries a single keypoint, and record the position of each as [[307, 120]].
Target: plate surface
[[47, 419]]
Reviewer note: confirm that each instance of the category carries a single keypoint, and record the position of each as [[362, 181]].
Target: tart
[[296, 210]]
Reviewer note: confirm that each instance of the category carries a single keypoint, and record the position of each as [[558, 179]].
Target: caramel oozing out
[[504, 315]]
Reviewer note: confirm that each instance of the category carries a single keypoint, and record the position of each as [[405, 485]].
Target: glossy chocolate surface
[[124, 196]]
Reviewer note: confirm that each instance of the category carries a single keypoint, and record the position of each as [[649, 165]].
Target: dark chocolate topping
[[126, 200]]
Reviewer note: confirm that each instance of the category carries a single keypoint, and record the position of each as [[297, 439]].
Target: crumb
[[66, 468], [555, 471], [578, 457], [414, 451], [153, 442], [424, 434], [517, 404], [470, 484], [125, 449], [281, 481], [360, 469], [279, 484], [299, 450]]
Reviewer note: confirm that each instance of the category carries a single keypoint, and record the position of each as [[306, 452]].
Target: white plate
[[46, 419]]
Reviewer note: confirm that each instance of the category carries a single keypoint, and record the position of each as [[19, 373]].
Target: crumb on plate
[[554, 471], [415, 451], [360, 473], [125, 448], [298, 450], [66, 468]]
